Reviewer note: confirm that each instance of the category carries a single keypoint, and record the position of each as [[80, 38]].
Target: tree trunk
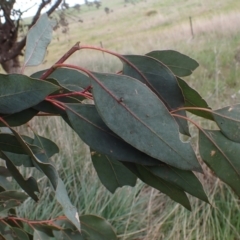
[[12, 66]]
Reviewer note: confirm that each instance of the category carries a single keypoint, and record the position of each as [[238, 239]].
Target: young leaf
[[222, 156], [228, 120], [193, 99], [95, 227], [38, 38], [29, 186], [19, 118], [87, 123], [137, 115], [185, 180], [19, 92], [112, 173], [180, 64], [160, 80], [68, 78]]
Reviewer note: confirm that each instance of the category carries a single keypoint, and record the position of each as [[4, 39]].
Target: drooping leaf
[[69, 210], [29, 186], [38, 38], [47, 168], [193, 99], [222, 156], [19, 118], [68, 78], [95, 227], [87, 123], [68, 234], [50, 171], [185, 180], [180, 64], [141, 119], [48, 107], [160, 80], [112, 173], [19, 92], [48, 146], [228, 120], [174, 192]]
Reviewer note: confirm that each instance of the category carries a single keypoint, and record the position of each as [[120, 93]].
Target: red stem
[[74, 48]]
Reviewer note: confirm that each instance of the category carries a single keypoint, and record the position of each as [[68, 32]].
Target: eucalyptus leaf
[[160, 80], [20, 118], [185, 180], [19, 92], [87, 123], [228, 120], [171, 190], [180, 64], [29, 186], [50, 171], [112, 173], [70, 79], [95, 227], [193, 99], [38, 38], [136, 114], [222, 157]]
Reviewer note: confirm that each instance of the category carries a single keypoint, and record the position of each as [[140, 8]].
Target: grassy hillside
[[143, 213]]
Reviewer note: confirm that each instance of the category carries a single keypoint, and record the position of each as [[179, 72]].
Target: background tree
[[11, 46]]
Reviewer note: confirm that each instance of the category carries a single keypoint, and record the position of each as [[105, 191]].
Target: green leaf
[[112, 173], [29, 186], [4, 183], [38, 38], [87, 123], [228, 120], [68, 78], [12, 233], [174, 192], [48, 146], [160, 80], [222, 157], [17, 195], [19, 118], [193, 99], [136, 114], [38, 235], [68, 234], [20, 159], [9, 143], [185, 180], [69, 210], [180, 64], [95, 227], [6, 205], [49, 170], [19, 92]]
